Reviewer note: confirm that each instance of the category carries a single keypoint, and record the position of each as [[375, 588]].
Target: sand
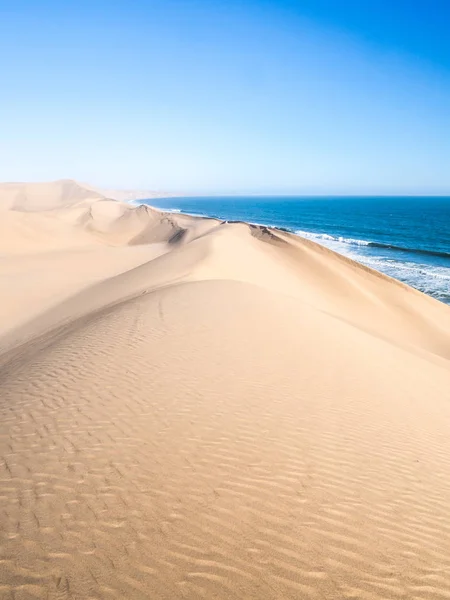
[[198, 409]]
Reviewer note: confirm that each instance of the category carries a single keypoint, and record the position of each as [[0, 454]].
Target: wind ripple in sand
[[210, 438]]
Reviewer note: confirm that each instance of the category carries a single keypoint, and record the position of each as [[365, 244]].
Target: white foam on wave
[[430, 279], [325, 236]]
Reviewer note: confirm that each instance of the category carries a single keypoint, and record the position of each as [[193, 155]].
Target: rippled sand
[[196, 409]]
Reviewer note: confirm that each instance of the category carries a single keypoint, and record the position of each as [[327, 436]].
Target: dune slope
[[195, 409]]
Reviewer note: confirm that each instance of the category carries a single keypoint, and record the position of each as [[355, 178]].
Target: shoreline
[[424, 268]]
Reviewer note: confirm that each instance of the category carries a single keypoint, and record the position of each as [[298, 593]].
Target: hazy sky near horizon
[[228, 96]]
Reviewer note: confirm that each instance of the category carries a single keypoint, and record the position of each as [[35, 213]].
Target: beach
[[404, 237], [194, 408]]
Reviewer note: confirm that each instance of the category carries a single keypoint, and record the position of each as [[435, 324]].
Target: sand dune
[[196, 409]]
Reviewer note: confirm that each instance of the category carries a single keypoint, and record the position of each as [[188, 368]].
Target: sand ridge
[[199, 409]]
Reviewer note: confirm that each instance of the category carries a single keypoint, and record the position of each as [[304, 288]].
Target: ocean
[[405, 237]]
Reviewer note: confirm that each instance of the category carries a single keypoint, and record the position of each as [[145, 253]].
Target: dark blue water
[[406, 238]]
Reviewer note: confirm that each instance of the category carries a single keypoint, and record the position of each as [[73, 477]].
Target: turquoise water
[[406, 238]]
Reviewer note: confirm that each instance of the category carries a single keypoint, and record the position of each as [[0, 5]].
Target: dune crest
[[193, 408]]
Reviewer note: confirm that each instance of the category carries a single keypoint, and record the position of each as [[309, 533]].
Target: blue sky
[[228, 96]]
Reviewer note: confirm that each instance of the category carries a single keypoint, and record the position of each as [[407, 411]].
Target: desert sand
[[200, 409]]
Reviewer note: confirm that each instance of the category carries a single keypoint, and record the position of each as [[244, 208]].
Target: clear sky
[[228, 96]]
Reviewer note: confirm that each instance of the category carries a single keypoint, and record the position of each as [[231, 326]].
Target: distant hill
[[64, 192], [45, 196]]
